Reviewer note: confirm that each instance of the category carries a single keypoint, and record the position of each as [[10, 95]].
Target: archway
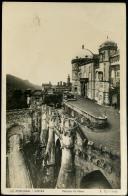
[[13, 130], [95, 180]]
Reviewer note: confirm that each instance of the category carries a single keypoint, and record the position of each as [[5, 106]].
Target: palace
[[97, 76]]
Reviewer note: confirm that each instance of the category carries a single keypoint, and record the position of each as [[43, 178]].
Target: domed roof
[[108, 43], [84, 53]]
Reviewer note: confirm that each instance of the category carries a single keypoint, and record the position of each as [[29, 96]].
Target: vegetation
[[15, 92], [53, 99]]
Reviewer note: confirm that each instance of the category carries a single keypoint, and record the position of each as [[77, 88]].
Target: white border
[[123, 139]]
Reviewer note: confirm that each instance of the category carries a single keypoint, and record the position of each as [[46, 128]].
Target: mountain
[[13, 83], [13, 86]]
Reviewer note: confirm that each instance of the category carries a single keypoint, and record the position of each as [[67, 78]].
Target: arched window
[[100, 76], [112, 74], [75, 89]]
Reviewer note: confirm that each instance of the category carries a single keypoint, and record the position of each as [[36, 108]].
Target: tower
[[102, 83], [68, 80]]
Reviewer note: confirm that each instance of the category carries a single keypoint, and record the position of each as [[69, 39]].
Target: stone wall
[[89, 156], [83, 116], [20, 117], [92, 157]]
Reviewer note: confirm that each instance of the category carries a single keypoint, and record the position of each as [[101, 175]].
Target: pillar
[[106, 98], [66, 174], [44, 130], [49, 160]]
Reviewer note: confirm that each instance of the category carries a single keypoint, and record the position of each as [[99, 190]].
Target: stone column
[[49, 159], [66, 174], [50, 149], [62, 122], [44, 130]]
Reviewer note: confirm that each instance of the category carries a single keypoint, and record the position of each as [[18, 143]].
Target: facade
[[46, 86], [115, 79], [60, 87], [83, 74], [63, 86], [96, 75]]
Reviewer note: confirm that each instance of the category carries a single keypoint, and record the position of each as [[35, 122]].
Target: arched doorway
[[95, 180], [84, 82]]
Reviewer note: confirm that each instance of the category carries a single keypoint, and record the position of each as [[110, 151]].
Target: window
[[89, 68], [104, 55], [101, 57], [75, 89], [118, 73], [112, 74], [100, 75]]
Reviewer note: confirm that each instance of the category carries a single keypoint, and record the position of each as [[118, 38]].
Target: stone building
[[94, 75], [63, 86], [115, 79], [83, 74], [46, 86]]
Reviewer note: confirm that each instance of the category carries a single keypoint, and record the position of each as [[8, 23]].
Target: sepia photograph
[[63, 98]]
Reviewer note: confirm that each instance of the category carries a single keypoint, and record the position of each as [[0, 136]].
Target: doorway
[[84, 83], [82, 89]]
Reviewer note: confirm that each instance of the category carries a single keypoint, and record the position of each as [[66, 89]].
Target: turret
[[107, 49], [68, 80]]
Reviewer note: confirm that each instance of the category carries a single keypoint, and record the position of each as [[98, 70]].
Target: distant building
[[46, 86], [63, 86], [68, 81], [97, 76]]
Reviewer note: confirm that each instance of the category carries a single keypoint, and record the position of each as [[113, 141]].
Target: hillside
[[14, 83]]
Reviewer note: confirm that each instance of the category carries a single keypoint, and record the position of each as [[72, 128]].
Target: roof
[[84, 53], [47, 84], [37, 93], [108, 43], [86, 60]]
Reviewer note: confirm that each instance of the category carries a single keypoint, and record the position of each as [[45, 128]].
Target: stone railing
[[95, 120]]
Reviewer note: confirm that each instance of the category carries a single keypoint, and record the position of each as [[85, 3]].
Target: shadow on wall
[[95, 180], [58, 156]]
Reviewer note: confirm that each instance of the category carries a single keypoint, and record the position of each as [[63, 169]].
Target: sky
[[39, 40]]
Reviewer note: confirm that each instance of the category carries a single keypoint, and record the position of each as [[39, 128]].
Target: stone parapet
[[95, 120]]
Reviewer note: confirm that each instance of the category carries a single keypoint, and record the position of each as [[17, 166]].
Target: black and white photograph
[[63, 98]]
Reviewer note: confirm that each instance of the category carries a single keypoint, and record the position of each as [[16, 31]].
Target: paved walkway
[[110, 135], [19, 176], [88, 106]]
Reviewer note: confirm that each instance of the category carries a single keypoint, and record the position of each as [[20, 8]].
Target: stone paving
[[19, 176], [89, 106], [108, 136]]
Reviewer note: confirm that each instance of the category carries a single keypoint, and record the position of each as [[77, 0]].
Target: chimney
[[82, 46]]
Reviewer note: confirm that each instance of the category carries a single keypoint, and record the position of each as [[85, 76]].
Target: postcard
[[63, 99]]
